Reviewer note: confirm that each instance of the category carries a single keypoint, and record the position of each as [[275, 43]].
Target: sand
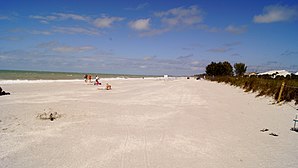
[[144, 123]]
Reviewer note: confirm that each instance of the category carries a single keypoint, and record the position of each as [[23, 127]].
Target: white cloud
[[59, 16], [276, 13], [236, 30], [141, 24], [67, 30], [171, 19], [105, 22], [76, 30], [48, 60], [139, 7], [195, 63], [43, 19], [181, 16], [149, 58], [101, 22], [153, 32], [69, 49], [65, 16], [38, 32]]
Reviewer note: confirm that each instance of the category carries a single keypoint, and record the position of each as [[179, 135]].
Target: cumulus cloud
[[171, 19], [236, 30], [141, 24], [181, 16], [104, 22], [276, 13]]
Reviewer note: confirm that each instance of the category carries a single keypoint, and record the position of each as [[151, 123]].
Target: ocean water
[[30, 76]]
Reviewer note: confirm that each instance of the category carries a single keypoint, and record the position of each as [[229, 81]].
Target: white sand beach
[[144, 123]]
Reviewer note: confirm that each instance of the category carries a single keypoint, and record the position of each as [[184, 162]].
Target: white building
[[275, 73]]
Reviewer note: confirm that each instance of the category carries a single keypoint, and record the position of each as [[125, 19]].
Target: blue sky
[[178, 37]]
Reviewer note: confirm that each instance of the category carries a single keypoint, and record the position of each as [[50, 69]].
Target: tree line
[[225, 69]]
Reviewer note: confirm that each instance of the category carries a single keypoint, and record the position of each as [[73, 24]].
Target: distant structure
[[250, 74], [275, 73]]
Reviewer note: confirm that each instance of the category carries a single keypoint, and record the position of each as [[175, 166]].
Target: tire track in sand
[[124, 147], [146, 160]]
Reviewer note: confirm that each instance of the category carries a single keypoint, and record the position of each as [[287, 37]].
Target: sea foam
[[35, 81], [18, 81]]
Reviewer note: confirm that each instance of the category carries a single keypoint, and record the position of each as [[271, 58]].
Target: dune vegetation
[[263, 85]]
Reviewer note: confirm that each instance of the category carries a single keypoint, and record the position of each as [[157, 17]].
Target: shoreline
[[23, 81], [48, 75]]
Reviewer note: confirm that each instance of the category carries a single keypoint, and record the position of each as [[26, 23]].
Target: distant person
[[108, 87], [3, 92], [97, 81], [89, 78], [85, 77]]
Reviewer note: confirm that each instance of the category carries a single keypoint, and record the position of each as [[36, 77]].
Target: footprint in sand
[[264, 130], [273, 134]]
